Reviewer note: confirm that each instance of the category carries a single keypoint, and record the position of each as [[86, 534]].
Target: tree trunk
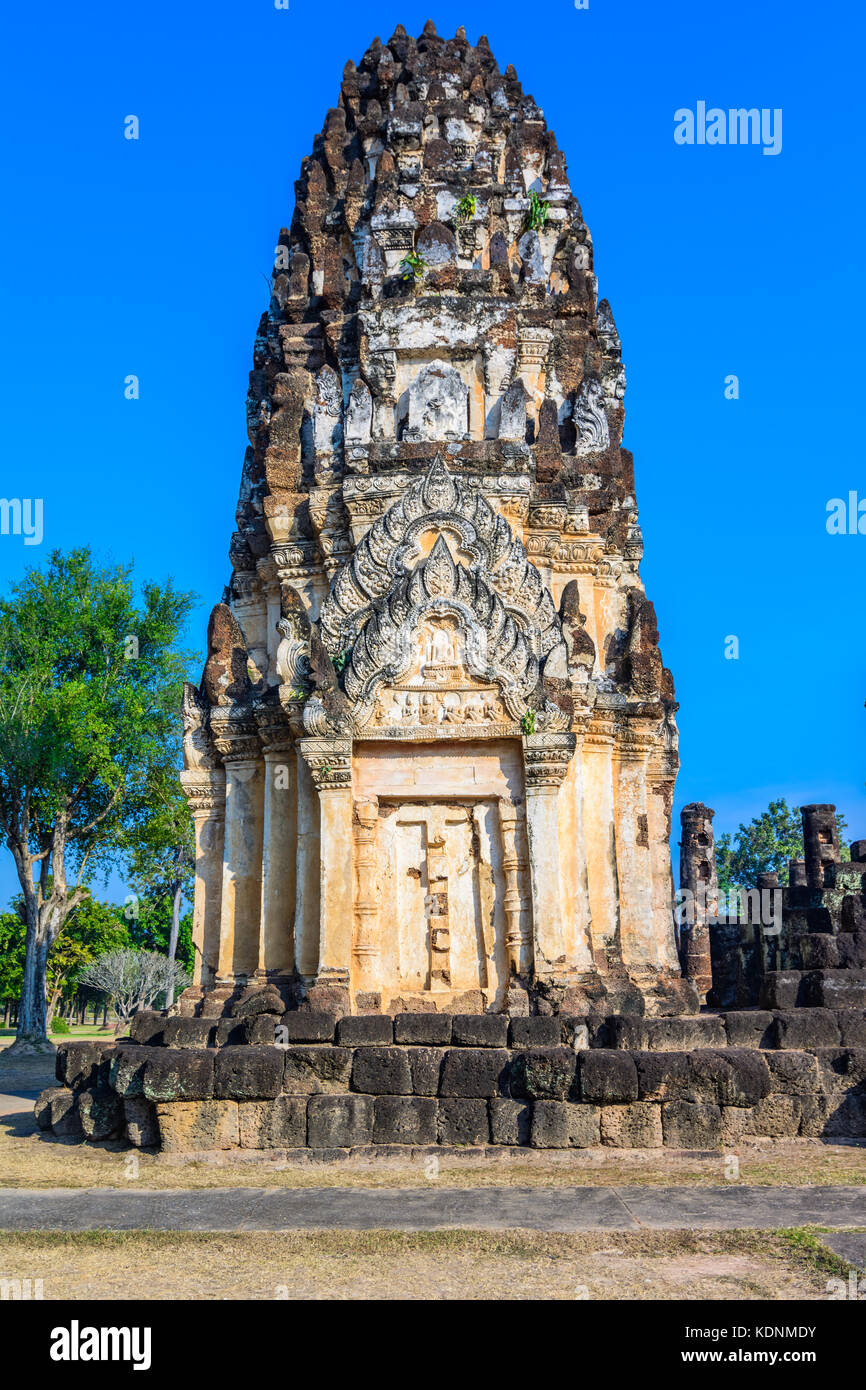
[[172, 940], [32, 1033]]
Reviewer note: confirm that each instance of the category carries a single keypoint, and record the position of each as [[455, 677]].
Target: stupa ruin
[[432, 758]]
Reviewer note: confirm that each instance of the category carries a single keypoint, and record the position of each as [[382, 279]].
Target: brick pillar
[[698, 875], [820, 841]]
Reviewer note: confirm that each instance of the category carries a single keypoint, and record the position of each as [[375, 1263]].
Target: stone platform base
[[307, 1081]]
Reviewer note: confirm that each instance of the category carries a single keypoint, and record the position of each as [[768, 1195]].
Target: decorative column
[[279, 842], [634, 743], [601, 871], [205, 790], [365, 951], [518, 942], [307, 886], [241, 907], [329, 761], [698, 875], [438, 922], [546, 757], [661, 775]]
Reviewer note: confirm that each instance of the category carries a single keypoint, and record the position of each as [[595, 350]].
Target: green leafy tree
[[90, 688], [765, 845], [91, 929], [151, 930]]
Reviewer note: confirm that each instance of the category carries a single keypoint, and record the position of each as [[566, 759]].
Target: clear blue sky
[[147, 257]]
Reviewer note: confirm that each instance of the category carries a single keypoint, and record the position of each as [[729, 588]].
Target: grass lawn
[[743, 1265]]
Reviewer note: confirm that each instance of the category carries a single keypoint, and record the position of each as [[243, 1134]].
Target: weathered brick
[[535, 1031], [126, 1070], [607, 1076], [731, 1076], [140, 1122], [187, 1126], [426, 1030], [312, 1070], [42, 1107], [405, 1120], [82, 1065], [479, 1030], [475, 1072], [749, 1028], [777, 1116], [544, 1073], [835, 989], [146, 1027], [308, 1027], [381, 1071], [664, 1076], [231, 1032], [358, 1030], [627, 1032], [178, 1074], [691, 1125], [683, 1034], [780, 989], [805, 1028], [793, 1073], [846, 1119], [262, 1030], [852, 1027], [510, 1121], [463, 1121], [339, 1122], [248, 1073], [425, 1069], [635, 1126], [101, 1112], [559, 1124], [273, 1124], [65, 1119], [188, 1032]]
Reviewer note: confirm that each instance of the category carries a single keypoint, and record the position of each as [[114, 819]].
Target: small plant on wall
[[467, 207], [538, 213], [527, 721], [413, 266]]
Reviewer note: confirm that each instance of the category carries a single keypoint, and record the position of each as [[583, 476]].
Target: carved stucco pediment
[[482, 539], [493, 648]]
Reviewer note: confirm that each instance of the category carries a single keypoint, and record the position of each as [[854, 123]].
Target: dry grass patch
[[30, 1160], [346, 1265]]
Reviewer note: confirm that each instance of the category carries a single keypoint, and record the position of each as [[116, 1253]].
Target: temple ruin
[[432, 757]]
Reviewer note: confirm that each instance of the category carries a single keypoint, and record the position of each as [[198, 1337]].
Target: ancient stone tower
[[432, 757]]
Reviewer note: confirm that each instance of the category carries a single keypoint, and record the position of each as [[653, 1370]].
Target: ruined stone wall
[[376, 1086], [812, 953]]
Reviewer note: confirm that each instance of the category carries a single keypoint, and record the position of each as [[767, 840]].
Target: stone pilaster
[[546, 757], [601, 865], [365, 949], [635, 741], [518, 940], [279, 842], [205, 790], [329, 761], [241, 906]]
